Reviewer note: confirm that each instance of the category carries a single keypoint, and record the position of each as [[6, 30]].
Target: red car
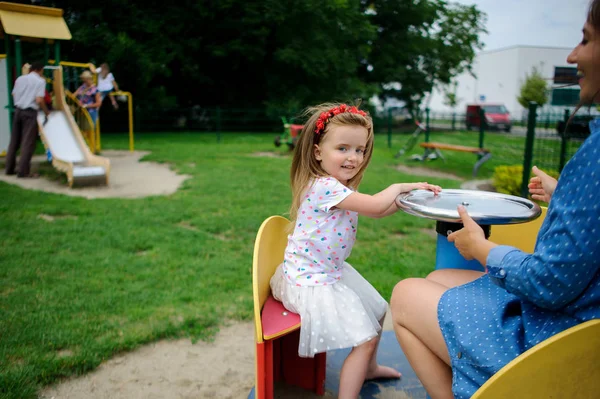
[[496, 117]]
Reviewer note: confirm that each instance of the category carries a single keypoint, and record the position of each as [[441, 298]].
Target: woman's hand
[[406, 187], [541, 186], [470, 240]]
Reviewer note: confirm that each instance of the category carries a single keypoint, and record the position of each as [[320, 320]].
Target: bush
[[508, 179]]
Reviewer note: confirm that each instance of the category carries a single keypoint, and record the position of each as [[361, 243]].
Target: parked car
[[496, 117], [577, 128]]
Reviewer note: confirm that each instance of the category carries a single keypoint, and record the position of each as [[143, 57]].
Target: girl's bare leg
[[376, 370], [360, 365]]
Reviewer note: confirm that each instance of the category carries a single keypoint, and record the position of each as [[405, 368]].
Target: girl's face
[[342, 151], [587, 57]]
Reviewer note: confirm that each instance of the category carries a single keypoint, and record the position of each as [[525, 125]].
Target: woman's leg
[[414, 311], [453, 277], [361, 365]]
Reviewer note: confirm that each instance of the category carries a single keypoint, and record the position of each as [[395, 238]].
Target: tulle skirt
[[341, 315]]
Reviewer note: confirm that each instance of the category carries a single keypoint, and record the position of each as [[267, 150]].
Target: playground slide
[[62, 137]]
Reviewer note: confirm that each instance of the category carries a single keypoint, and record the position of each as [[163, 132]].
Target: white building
[[499, 76]]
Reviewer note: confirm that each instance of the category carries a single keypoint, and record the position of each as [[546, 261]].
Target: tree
[[450, 97], [534, 88], [273, 54], [421, 45]]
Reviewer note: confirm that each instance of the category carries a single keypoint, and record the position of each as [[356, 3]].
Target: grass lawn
[[108, 275]]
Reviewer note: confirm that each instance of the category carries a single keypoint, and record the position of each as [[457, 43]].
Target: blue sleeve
[[567, 252]]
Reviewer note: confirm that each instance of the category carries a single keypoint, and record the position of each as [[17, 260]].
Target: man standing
[[28, 95]]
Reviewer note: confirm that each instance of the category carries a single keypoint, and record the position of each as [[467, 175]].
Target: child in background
[[107, 84], [337, 306]]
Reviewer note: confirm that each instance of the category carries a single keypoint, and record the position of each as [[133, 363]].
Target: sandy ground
[[166, 369], [177, 369], [129, 178]]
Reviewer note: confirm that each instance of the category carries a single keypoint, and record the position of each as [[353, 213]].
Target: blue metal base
[[448, 257], [389, 354]]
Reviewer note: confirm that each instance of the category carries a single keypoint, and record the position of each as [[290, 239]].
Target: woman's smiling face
[[587, 57]]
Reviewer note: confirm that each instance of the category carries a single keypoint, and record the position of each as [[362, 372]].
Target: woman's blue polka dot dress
[[525, 299]]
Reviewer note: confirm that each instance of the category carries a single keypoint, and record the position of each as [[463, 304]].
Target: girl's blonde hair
[[305, 166]]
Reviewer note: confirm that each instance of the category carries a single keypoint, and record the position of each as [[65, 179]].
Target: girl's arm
[[115, 85], [382, 203]]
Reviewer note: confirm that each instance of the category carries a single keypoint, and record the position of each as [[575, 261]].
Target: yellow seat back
[[269, 248], [566, 365], [522, 236]]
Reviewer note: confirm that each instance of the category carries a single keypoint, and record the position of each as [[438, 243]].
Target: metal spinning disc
[[486, 208]]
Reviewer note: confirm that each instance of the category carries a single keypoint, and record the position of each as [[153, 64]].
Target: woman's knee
[[403, 294]]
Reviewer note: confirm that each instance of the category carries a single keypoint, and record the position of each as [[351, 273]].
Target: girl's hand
[[541, 186], [406, 187]]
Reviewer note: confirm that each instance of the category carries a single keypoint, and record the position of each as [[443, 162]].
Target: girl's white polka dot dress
[[525, 299], [337, 306]]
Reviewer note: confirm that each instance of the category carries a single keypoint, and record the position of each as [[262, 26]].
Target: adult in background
[[28, 95], [459, 327], [89, 96]]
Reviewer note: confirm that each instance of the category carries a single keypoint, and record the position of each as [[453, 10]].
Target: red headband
[[324, 117]]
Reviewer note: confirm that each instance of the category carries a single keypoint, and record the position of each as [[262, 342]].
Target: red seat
[[277, 320]]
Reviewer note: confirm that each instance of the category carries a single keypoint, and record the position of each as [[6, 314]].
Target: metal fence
[[550, 149], [550, 146]]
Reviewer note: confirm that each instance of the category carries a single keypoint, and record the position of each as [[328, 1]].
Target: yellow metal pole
[[130, 108], [98, 132], [130, 111]]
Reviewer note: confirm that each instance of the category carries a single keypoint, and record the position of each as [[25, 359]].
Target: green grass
[[108, 275]]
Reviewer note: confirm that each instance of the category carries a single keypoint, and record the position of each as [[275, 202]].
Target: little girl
[[337, 306], [107, 84]]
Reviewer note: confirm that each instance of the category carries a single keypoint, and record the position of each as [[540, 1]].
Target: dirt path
[[129, 178], [176, 369]]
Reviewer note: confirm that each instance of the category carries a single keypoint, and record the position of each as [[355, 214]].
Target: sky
[[553, 23]]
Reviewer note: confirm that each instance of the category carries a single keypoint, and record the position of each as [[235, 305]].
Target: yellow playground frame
[[46, 25], [94, 140]]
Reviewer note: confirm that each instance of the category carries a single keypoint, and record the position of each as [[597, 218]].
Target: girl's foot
[[115, 105], [383, 372]]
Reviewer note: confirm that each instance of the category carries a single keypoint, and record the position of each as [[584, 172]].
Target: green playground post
[[46, 52], [482, 123], [18, 56], [529, 141], [427, 129], [56, 52], [9, 79], [389, 127]]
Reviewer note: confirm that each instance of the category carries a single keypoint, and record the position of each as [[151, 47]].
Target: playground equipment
[[276, 331], [24, 23], [63, 139], [291, 133], [412, 140], [91, 133]]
